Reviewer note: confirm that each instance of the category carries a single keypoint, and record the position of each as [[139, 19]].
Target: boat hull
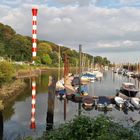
[[136, 102]]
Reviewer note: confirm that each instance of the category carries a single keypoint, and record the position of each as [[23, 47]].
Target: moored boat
[[61, 94], [97, 74], [60, 85], [104, 103], [79, 97], [128, 89], [128, 105], [87, 108], [136, 102], [88, 101], [119, 101]]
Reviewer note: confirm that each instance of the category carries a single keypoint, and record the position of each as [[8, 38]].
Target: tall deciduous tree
[[20, 49], [2, 49]]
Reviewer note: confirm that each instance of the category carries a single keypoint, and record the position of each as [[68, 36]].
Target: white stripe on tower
[[34, 34], [33, 125]]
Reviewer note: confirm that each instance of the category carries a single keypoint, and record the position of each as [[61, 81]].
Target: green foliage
[[2, 49], [6, 33], [6, 72], [101, 61], [19, 48], [86, 128], [136, 127], [55, 58], [44, 48], [28, 138], [45, 59]]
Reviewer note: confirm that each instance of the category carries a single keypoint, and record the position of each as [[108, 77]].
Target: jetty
[[28, 74]]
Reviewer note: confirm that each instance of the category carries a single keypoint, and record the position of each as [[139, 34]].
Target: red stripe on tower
[[34, 34], [33, 125]]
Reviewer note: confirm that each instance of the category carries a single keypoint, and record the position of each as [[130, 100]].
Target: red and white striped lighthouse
[[34, 34], [33, 125]]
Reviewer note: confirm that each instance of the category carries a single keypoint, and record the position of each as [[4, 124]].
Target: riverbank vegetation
[[7, 72], [18, 48], [10, 87], [86, 128]]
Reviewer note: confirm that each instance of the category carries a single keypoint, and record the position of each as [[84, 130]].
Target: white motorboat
[[119, 101], [128, 89], [98, 74], [136, 102]]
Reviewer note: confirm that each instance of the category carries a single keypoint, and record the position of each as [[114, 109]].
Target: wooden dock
[[28, 74]]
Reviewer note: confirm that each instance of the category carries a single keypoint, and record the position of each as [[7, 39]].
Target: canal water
[[17, 115]]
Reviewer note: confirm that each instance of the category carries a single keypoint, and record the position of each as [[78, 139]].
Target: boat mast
[[80, 58], [59, 56]]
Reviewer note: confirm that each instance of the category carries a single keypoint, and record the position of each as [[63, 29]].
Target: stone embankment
[[10, 91]]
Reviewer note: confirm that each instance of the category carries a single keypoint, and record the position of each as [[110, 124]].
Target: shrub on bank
[[86, 128], [6, 72]]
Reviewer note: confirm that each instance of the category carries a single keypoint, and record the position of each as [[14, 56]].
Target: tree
[[45, 59], [20, 48], [6, 72], [2, 49], [6, 33], [55, 58], [44, 48], [101, 61]]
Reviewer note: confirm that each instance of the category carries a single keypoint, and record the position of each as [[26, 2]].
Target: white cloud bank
[[98, 29]]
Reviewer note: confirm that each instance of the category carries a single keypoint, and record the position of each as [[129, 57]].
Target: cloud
[[13, 3], [129, 1], [98, 29], [77, 2]]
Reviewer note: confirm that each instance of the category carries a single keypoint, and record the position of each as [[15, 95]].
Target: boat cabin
[[129, 89]]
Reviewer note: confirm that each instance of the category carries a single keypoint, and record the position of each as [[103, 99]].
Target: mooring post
[[1, 125], [65, 108], [51, 99]]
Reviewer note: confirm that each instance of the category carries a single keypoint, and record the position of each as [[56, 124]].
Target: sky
[[108, 28]]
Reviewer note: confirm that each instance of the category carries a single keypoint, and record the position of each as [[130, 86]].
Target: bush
[[6, 72], [86, 128]]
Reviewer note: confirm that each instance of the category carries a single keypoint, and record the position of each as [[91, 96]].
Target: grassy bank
[[10, 91], [9, 86]]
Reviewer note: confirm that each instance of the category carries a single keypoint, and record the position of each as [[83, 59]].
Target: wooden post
[[1, 125], [65, 108], [51, 99]]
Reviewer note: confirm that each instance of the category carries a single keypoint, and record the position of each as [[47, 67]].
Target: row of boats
[[126, 72], [126, 96]]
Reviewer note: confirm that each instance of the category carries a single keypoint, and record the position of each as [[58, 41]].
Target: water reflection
[[17, 114], [33, 102]]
